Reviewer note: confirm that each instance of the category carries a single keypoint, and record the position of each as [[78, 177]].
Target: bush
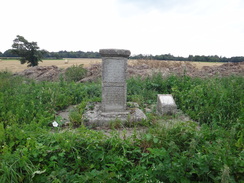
[[75, 73]]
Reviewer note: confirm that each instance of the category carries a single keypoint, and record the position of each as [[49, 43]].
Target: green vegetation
[[196, 58], [32, 150], [90, 54], [75, 73], [27, 51]]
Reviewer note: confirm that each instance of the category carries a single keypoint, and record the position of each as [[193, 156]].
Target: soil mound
[[141, 68], [41, 73], [223, 70], [149, 67]]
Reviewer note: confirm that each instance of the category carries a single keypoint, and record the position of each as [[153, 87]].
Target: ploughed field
[[15, 66]]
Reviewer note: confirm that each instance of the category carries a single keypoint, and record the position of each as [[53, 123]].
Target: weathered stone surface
[[166, 104], [137, 115], [114, 65], [114, 69], [113, 106], [95, 117], [114, 53], [114, 98]]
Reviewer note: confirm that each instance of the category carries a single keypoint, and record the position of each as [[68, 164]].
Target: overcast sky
[[178, 27]]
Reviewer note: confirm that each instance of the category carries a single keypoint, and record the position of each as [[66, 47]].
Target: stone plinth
[[166, 104], [114, 65], [96, 117]]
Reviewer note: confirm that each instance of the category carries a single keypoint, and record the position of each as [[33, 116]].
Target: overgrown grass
[[31, 150], [213, 100], [25, 101]]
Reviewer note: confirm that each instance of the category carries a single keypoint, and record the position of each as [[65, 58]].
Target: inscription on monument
[[114, 70], [113, 98], [114, 64]]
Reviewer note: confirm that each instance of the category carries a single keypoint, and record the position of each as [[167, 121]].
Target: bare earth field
[[51, 69], [15, 66]]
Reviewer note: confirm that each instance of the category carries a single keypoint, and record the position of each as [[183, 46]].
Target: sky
[[178, 27]]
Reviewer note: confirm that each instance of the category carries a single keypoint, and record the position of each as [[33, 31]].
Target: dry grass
[[15, 66], [199, 65]]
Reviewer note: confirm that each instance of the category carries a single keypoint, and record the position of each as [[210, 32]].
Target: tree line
[[196, 58], [29, 52], [90, 54], [57, 55]]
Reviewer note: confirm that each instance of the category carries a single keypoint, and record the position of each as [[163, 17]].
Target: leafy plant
[[75, 73], [75, 117], [208, 151]]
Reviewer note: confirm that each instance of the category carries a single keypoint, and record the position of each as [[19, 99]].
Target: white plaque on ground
[[166, 104]]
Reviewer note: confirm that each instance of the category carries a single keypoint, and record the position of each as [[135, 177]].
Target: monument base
[[94, 116]]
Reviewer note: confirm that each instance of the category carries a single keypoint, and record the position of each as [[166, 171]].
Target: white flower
[[55, 124]]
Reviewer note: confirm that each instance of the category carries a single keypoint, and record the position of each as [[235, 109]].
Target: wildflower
[[55, 124]]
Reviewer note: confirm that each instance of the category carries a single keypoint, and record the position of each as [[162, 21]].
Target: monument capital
[[114, 53]]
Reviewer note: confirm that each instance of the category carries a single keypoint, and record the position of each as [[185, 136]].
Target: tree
[[27, 51], [9, 53]]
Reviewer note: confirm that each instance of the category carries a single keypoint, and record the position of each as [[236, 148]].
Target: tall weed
[[32, 151], [213, 100]]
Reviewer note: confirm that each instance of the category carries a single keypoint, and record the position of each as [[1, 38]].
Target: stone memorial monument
[[114, 92], [114, 65]]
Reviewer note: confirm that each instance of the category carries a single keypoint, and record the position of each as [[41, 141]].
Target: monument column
[[114, 90]]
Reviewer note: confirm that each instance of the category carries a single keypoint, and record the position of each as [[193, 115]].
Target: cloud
[[179, 27], [185, 27], [156, 4]]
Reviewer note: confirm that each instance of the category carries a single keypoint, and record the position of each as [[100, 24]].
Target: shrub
[[75, 73]]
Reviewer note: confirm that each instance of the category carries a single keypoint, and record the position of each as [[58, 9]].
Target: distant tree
[[8, 53], [236, 59], [1, 54], [27, 51], [190, 57]]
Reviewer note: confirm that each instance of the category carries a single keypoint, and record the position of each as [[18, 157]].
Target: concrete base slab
[[95, 117]]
